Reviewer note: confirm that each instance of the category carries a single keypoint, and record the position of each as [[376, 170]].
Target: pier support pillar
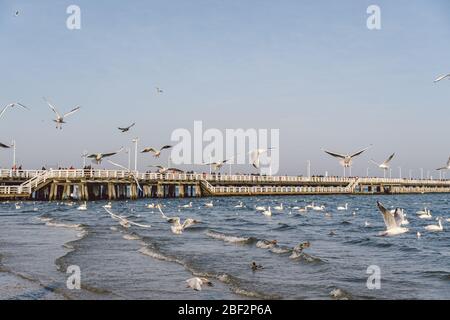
[[160, 191], [197, 190], [181, 190]]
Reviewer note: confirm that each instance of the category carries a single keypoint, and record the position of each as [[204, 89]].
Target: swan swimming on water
[[240, 205], [267, 212], [279, 208], [392, 220], [209, 204], [189, 205], [434, 227], [83, 206], [344, 208]]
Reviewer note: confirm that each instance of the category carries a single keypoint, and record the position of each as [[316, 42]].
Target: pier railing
[[216, 178]]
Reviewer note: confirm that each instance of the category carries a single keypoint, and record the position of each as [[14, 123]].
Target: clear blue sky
[[310, 68]]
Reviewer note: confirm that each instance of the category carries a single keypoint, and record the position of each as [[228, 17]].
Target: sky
[[311, 69]]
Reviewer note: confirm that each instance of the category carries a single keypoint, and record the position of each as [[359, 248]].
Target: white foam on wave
[[154, 254], [264, 245], [280, 250], [63, 225], [226, 238], [44, 219], [131, 237]]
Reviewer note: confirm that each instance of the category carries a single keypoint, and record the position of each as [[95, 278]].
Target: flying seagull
[[124, 222], [159, 90], [255, 156], [125, 129], [12, 105], [163, 170], [447, 167], [393, 220], [385, 164], [2, 145], [129, 171], [218, 164], [156, 152], [60, 118], [346, 159], [16, 13], [442, 77], [176, 226], [98, 157]]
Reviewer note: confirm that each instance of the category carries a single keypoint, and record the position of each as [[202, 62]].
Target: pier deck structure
[[98, 184]]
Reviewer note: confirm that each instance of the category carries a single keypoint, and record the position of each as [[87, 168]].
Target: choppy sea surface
[[40, 240]]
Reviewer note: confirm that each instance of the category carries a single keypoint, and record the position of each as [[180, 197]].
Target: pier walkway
[[121, 184]]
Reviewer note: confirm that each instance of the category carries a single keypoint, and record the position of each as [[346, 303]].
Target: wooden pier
[[96, 184]]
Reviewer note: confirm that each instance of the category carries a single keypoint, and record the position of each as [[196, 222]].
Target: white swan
[[209, 204], [260, 208], [279, 208], [434, 227], [109, 206], [240, 205], [267, 212], [424, 211], [426, 215], [392, 220], [310, 206], [319, 208], [82, 207], [189, 205], [344, 208]]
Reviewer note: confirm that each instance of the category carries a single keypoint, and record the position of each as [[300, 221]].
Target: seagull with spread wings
[[393, 219], [125, 129], [345, 159], [217, 164], [445, 76], [98, 157], [156, 152], [60, 118], [163, 170], [12, 105], [447, 167], [124, 222], [177, 227], [255, 156], [385, 165]]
